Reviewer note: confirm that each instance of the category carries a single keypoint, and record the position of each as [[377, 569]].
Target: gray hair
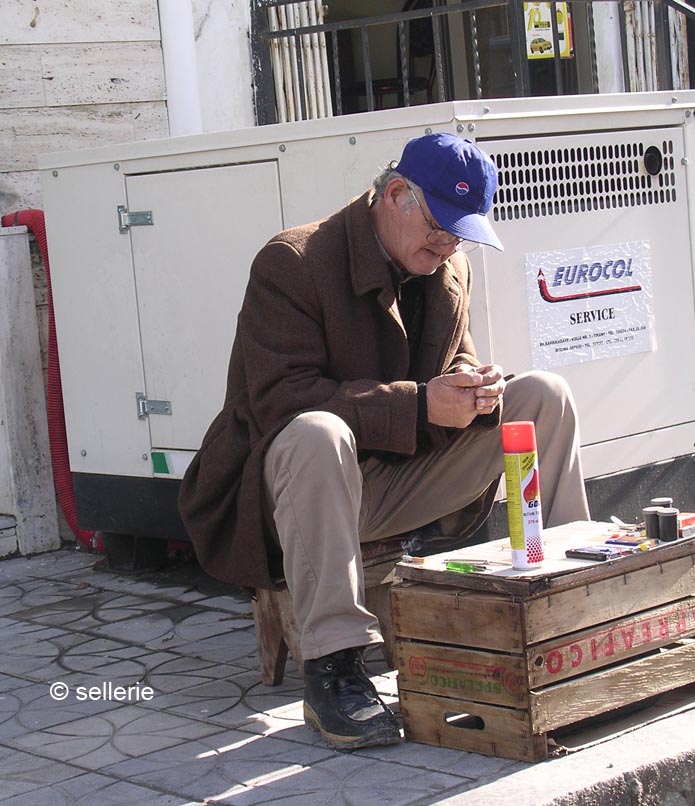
[[385, 175]]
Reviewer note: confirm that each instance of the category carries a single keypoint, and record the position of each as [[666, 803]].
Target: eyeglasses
[[437, 236]]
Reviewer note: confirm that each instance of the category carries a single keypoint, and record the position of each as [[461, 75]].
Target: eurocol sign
[[589, 303], [539, 30]]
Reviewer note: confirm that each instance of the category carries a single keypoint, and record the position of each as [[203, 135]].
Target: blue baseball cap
[[458, 181]]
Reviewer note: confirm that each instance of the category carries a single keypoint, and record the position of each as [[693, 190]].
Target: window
[[316, 59]]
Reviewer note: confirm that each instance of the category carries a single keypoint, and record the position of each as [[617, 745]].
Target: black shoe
[[341, 702]]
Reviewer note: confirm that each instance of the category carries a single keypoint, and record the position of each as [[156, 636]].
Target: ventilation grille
[[558, 181]]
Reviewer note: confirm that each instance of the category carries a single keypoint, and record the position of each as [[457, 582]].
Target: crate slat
[[444, 614], [603, 691], [463, 673], [583, 652], [604, 599], [471, 726]]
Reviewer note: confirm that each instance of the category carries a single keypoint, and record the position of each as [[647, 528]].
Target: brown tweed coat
[[319, 329]]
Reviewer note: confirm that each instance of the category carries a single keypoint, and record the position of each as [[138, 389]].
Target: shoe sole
[[382, 736]]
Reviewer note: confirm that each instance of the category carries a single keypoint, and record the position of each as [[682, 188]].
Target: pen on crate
[[464, 568]]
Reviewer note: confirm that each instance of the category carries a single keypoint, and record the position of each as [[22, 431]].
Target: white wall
[[71, 80], [223, 52]]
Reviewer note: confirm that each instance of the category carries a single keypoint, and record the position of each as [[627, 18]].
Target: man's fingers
[[486, 375], [486, 403], [464, 380], [495, 391]]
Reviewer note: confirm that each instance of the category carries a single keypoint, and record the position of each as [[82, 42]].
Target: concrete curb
[[650, 766]]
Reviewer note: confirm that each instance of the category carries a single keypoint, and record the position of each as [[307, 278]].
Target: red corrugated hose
[[62, 478]]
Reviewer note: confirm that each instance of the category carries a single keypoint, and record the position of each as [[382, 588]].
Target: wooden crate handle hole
[[464, 721]]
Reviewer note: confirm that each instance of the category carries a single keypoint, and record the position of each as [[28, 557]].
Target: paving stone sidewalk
[[197, 726]]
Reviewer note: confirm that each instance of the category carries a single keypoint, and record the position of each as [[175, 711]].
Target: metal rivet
[[428, 130], [145, 456], [684, 160], [459, 127], [352, 141], [486, 109], [471, 127], [55, 173], [283, 148], [674, 100], [116, 166], [83, 452]]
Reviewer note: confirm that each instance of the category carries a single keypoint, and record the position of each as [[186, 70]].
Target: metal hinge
[[147, 407], [143, 218]]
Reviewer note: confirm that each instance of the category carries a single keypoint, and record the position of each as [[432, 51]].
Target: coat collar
[[368, 267]]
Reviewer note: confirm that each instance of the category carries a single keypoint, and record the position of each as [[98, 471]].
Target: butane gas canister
[[523, 493]]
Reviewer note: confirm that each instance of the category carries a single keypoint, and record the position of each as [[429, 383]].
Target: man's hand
[[456, 400]]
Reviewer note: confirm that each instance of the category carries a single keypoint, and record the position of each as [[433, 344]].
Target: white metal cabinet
[[152, 310]]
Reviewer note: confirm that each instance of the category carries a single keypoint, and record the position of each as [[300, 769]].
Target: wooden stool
[[277, 631]]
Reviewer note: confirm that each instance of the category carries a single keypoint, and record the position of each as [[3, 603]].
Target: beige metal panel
[[647, 448], [630, 394], [121, 72], [191, 270], [96, 321], [20, 77], [479, 310], [27, 133], [320, 175], [29, 22], [525, 117]]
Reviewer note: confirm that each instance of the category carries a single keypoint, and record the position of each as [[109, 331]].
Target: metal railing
[[655, 13]]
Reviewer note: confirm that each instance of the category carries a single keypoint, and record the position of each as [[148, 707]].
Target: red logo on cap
[[462, 188]]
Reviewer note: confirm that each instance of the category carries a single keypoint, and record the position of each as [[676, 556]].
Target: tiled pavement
[[199, 727]]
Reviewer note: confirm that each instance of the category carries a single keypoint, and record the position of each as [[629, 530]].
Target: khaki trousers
[[324, 502]]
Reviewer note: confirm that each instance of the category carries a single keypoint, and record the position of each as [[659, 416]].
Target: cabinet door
[[191, 268]]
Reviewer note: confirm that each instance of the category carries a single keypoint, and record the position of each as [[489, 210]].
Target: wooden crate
[[492, 662]]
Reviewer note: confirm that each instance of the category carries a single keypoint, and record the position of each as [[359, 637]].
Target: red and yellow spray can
[[523, 493]]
